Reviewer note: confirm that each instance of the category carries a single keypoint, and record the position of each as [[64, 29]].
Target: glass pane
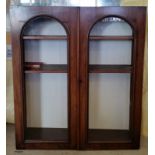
[[44, 26], [46, 51], [111, 26], [47, 107], [110, 52], [46, 98], [109, 101], [109, 89], [46, 81]]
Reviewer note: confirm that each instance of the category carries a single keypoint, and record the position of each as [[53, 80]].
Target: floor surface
[[10, 141]]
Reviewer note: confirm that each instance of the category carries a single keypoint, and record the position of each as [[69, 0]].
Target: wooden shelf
[[46, 134], [111, 37], [108, 136], [54, 68], [57, 68], [44, 37], [110, 68]]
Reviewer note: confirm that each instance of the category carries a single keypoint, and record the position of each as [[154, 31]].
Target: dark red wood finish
[[44, 37], [110, 37], [110, 69], [54, 68], [78, 23], [20, 16], [135, 16]]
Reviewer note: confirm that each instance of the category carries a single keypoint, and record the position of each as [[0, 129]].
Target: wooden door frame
[[135, 16], [67, 17]]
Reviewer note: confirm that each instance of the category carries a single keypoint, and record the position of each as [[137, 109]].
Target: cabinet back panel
[[109, 101], [110, 52], [46, 100], [46, 51]]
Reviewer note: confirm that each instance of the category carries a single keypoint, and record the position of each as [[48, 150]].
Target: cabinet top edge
[[79, 7]]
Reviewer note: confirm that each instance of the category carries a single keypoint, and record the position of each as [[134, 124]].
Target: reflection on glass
[[111, 26]]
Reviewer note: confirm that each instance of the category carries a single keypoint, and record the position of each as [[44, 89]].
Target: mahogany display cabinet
[[78, 75]]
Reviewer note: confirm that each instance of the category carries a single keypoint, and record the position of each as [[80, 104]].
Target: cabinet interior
[[46, 80]]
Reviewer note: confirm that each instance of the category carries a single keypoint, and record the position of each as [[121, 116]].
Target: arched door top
[[111, 26], [44, 25]]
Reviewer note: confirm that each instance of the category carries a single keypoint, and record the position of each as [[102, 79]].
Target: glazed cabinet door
[[78, 76], [111, 70], [45, 76]]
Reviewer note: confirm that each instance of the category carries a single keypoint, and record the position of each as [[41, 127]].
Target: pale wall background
[[9, 84]]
